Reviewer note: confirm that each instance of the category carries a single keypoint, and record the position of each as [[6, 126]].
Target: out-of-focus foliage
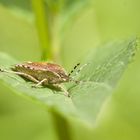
[[87, 99], [64, 5], [105, 20]]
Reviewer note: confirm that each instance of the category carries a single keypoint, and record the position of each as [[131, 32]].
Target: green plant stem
[[61, 125], [43, 29]]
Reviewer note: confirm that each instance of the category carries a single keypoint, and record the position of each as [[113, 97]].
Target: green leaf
[[65, 12], [104, 69], [64, 5], [21, 9], [23, 4]]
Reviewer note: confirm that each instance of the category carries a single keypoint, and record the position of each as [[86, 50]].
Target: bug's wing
[[52, 74]]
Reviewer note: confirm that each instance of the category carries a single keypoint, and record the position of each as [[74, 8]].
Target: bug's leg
[[2, 70], [40, 83], [29, 77], [61, 87]]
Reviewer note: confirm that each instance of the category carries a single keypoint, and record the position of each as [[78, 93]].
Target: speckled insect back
[[54, 73], [44, 74]]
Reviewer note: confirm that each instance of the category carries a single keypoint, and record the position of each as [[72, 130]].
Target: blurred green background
[[102, 22]]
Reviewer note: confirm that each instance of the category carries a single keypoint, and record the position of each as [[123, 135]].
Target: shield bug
[[45, 74]]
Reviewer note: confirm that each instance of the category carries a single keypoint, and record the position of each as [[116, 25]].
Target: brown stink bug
[[44, 74]]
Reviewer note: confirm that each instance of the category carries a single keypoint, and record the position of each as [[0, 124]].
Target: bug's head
[[64, 77]]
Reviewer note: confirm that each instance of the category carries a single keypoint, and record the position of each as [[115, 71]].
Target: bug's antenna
[[74, 69], [77, 72]]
